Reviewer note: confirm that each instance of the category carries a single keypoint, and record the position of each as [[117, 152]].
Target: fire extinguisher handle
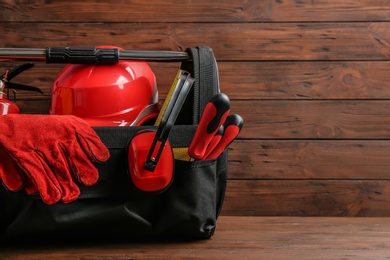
[[82, 55]]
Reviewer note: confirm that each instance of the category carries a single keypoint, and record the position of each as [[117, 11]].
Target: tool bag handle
[[88, 55], [203, 67]]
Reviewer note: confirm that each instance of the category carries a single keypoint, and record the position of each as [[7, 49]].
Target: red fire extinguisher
[[7, 106]]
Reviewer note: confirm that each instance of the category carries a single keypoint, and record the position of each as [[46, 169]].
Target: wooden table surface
[[239, 238]]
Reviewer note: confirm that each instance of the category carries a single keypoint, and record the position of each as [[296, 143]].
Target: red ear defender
[[150, 156], [150, 180]]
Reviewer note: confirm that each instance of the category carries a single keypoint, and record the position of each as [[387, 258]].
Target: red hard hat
[[119, 95]]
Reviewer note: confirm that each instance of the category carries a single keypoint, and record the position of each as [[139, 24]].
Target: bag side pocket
[[190, 202]]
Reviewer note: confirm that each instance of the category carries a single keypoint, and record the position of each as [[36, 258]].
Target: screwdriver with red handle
[[232, 128], [213, 117], [214, 141]]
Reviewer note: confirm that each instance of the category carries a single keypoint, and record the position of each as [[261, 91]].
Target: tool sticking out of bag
[[171, 112], [150, 155], [213, 117], [232, 128], [216, 130]]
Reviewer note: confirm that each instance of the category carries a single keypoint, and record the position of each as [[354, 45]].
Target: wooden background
[[310, 77]]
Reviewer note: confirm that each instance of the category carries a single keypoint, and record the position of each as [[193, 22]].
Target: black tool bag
[[114, 207]]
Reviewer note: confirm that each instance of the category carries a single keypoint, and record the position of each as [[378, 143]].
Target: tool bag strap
[[203, 67]]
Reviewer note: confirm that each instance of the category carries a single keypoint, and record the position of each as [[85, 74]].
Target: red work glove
[[13, 178], [47, 153]]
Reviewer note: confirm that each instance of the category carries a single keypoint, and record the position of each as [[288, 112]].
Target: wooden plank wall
[[310, 77]]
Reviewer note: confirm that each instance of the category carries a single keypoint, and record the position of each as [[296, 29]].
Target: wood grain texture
[[199, 11], [233, 42], [306, 80], [237, 238], [309, 159], [314, 119], [366, 198]]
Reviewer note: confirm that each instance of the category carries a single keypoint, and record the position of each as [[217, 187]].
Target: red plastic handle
[[233, 127], [214, 115], [214, 142]]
